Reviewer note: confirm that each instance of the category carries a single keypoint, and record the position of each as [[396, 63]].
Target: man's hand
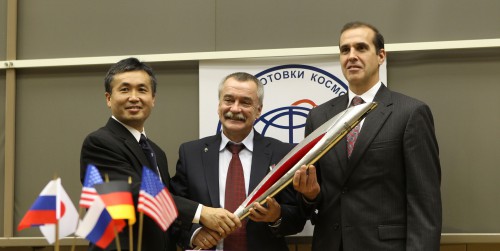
[[219, 220], [206, 238], [306, 182], [270, 213]]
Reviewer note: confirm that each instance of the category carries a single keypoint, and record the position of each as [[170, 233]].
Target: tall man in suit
[[203, 172], [114, 149], [384, 193]]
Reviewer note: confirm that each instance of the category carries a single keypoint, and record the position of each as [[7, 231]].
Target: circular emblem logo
[[291, 91]]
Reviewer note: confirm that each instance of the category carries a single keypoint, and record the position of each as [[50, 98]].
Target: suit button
[[345, 190], [336, 226]]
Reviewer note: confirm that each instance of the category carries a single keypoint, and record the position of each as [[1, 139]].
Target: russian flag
[[43, 211], [52, 205], [97, 225]]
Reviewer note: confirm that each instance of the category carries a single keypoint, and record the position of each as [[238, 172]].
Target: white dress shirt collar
[[367, 96], [135, 132], [247, 142]]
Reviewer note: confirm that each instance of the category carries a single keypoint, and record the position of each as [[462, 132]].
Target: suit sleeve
[[178, 186], [423, 177]]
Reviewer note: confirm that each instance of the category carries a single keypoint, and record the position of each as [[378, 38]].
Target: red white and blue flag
[[97, 225], [92, 177], [52, 205], [155, 200]]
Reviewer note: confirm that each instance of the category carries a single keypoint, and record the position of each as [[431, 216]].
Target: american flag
[[92, 177], [155, 200]]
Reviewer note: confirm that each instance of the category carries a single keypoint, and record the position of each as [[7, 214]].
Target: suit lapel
[[371, 126], [129, 141], [261, 160], [210, 164]]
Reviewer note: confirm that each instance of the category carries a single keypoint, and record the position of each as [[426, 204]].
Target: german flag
[[117, 197]]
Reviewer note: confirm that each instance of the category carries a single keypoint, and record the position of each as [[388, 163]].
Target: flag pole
[[117, 238], [130, 232], [56, 243], [80, 212], [139, 240]]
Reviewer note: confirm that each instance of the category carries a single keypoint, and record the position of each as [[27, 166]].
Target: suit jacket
[[387, 195], [197, 178], [115, 152]]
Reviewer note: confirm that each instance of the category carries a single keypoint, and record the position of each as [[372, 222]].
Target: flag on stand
[[117, 197], [92, 177], [52, 204], [155, 201], [97, 225]]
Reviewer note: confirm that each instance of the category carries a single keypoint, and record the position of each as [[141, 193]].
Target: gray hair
[[241, 77]]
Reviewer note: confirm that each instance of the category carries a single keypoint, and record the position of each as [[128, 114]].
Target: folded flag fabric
[[52, 204], [97, 225], [92, 177], [117, 197], [155, 201]]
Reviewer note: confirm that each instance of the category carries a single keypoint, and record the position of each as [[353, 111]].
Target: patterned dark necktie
[[148, 151], [353, 134], [235, 195]]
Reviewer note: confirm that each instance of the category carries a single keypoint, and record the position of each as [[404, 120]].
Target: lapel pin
[[205, 150]]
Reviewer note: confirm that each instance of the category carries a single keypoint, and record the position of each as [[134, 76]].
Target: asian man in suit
[[205, 173], [115, 149], [379, 188]]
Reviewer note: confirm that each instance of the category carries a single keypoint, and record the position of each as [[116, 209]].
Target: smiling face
[[131, 99], [359, 59], [239, 107]]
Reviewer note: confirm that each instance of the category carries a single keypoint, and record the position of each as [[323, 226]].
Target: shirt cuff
[[197, 215], [192, 236]]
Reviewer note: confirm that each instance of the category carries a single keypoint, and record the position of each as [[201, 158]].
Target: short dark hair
[[378, 39], [241, 77], [125, 65]]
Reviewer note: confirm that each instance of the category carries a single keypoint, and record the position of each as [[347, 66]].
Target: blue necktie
[[148, 151]]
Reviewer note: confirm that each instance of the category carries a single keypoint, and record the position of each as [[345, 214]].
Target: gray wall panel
[[61, 28], [3, 29], [56, 109], [2, 146], [462, 91], [286, 24]]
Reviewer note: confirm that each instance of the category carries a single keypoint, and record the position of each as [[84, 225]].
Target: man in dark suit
[[114, 149], [203, 172], [379, 190]]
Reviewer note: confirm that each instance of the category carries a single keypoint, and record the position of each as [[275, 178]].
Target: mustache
[[235, 116]]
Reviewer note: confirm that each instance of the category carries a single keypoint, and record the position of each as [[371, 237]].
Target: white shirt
[[368, 97]]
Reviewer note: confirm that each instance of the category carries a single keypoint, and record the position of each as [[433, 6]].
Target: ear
[[381, 56], [259, 111], [108, 99]]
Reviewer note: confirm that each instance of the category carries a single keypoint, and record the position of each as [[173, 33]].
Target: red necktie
[[353, 134], [235, 195]]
